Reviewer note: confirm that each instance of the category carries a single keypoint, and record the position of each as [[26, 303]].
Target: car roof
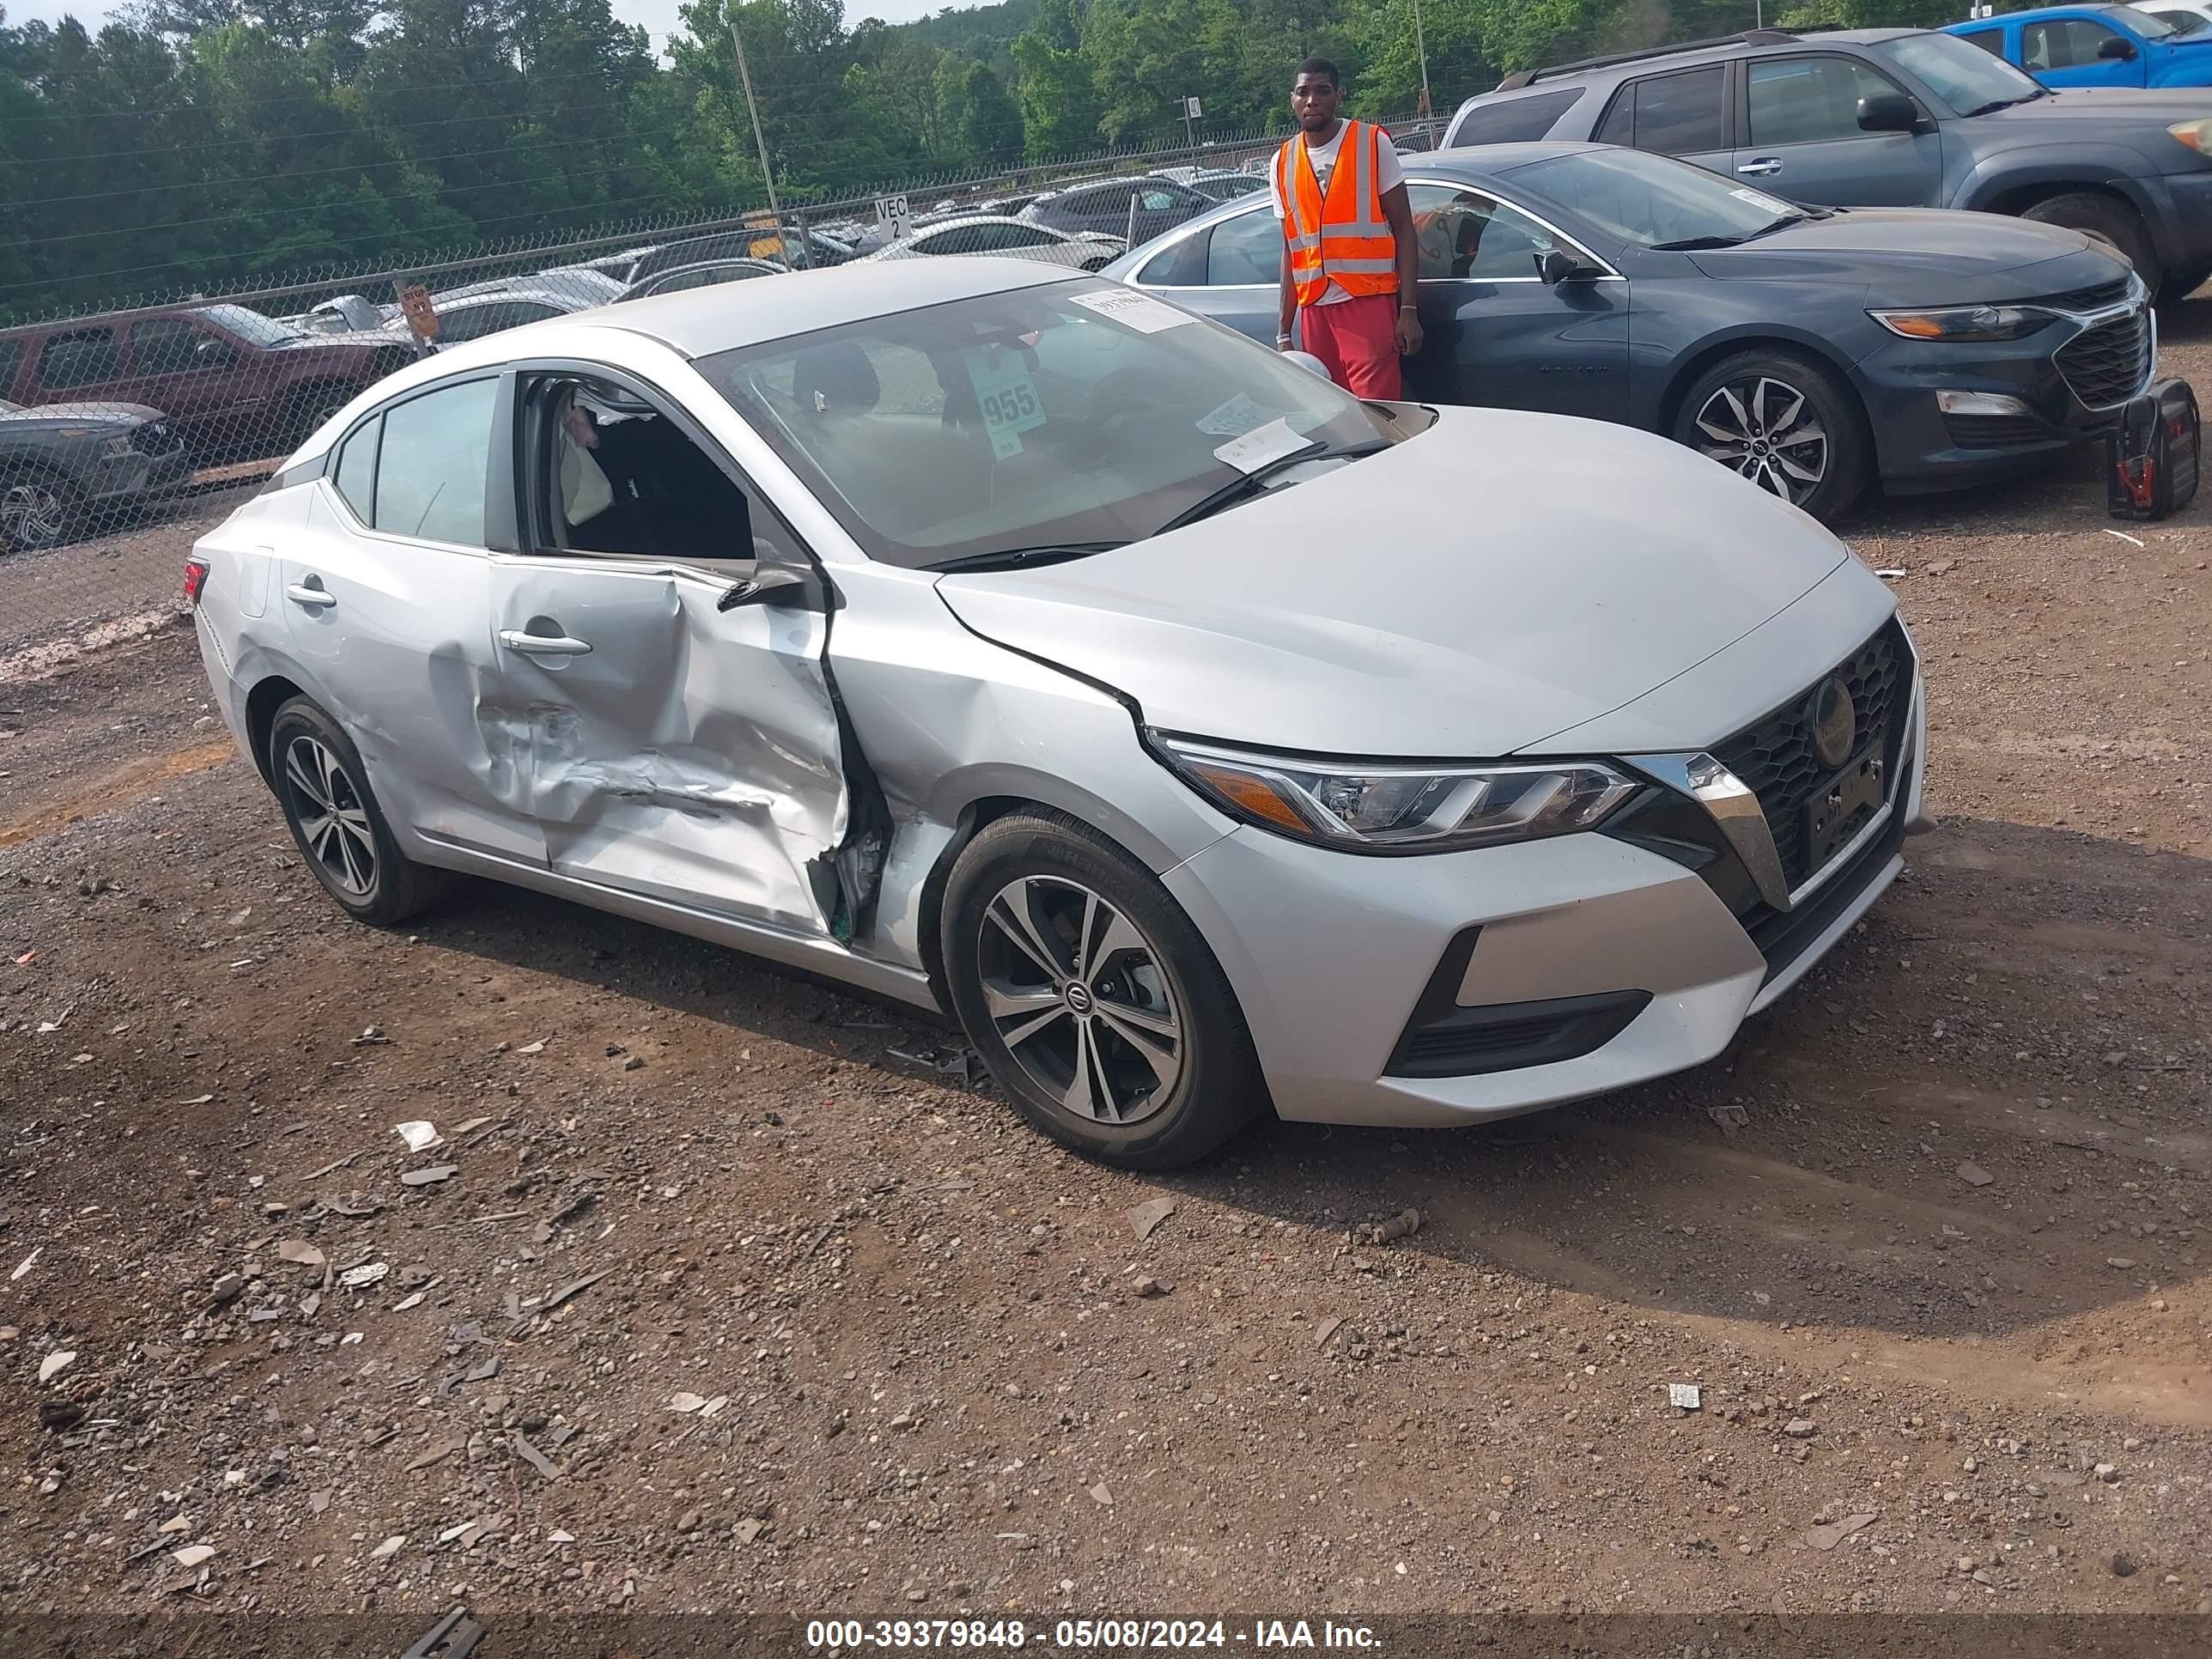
[[1691, 53], [2033, 13], [700, 322]]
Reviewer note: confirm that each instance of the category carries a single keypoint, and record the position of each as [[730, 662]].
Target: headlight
[[1362, 808], [2197, 135], [1965, 322]]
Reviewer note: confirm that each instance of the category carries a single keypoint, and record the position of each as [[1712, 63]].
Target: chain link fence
[[126, 432]]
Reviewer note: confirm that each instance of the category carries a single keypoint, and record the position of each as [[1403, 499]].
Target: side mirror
[[777, 585], [1888, 112], [212, 354], [1308, 361], [1555, 265], [2115, 48]]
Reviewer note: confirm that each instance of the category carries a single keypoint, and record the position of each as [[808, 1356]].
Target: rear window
[[1674, 114], [1514, 120]]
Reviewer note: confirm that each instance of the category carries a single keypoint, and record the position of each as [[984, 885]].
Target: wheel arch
[[268, 695]]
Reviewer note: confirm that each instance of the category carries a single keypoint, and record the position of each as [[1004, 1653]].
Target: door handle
[[1763, 166], [313, 595], [543, 645]]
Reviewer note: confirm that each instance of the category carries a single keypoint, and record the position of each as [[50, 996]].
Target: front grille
[[1994, 431], [2086, 299], [155, 438], [2108, 364], [1774, 756]]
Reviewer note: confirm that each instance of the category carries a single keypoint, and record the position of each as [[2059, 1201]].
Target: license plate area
[[1841, 808]]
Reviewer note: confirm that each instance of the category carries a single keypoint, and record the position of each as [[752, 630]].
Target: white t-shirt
[[1388, 175]]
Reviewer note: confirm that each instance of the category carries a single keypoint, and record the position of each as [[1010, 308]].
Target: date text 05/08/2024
[[1110, 1635]]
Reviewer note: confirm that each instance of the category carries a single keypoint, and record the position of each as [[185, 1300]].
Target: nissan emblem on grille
[[1833, 721]]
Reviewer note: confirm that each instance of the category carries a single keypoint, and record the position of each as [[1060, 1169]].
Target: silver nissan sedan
[[1206, 741]]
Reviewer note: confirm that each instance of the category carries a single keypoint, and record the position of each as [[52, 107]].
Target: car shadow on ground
[[1927, 1137]]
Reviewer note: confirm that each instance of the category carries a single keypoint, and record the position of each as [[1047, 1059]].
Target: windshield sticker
[[1239, 415], [1138, 310], [1263, 446], [1007, 397], [1763, 202]]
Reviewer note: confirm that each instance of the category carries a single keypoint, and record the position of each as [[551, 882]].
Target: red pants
[[1357, 341]]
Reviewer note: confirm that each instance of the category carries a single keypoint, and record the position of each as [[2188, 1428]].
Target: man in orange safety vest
[[1350, 260]]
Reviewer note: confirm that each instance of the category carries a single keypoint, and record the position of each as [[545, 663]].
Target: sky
[[659, 16]]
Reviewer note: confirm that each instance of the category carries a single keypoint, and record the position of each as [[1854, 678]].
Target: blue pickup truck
[[2098, 46]]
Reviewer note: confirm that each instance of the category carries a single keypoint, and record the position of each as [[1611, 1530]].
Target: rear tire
[[1773, 416], [2111, 222], [336, 823], [1126, 1045]]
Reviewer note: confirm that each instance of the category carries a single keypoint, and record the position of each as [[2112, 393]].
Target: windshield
[[249, 325], [1077, 414], [2153, 27], [1654, 201], [1962, 75]]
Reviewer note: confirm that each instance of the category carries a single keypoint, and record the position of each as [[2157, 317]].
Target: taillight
[[195, 575]]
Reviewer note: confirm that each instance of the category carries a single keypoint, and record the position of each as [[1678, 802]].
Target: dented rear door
[[665, 747]]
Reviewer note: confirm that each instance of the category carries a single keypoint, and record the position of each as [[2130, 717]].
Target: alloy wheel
[[332, 819], [33, 514], [1077, 995], [1770, 432]]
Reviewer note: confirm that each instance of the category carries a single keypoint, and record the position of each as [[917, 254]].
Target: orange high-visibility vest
[[1341, 237]]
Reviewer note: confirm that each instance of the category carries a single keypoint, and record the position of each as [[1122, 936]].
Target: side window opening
[[355, 476], [620, 479]]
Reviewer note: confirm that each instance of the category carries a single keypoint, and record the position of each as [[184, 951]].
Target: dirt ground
[[732, 1300]]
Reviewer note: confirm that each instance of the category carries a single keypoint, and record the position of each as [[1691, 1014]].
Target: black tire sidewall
[[303, 718], [1841, 412], [2109, 221], [1219, 1088], [73, 513]]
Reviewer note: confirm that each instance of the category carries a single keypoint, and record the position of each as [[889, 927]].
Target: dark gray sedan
[[1813, 350], [68, 470]]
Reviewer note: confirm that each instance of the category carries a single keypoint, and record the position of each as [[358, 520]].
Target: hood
[[80, 414], [1880, 247], [2104, 107], [1471, 591]]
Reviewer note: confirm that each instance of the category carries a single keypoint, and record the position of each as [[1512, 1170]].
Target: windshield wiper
[[1251, 483], [1016, 558], [1995, 104], [1692, 244]]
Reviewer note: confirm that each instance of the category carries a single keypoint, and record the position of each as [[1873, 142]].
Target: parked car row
[[1737, 243]]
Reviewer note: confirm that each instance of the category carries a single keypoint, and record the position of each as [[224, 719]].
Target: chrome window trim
[[1262, 200]]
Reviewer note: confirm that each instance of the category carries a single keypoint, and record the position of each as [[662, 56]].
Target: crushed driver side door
[[671, 721]]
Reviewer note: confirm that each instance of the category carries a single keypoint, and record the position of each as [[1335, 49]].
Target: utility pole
[[745, 75], [1421, 45]]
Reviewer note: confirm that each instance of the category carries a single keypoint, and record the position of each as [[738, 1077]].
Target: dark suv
[[1111, 208], [231, 382], [1893, 118]]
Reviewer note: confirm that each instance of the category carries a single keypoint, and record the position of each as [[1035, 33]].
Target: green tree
[[991, 125]]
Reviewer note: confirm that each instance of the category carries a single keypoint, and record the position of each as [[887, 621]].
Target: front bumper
[[1626, 961], [133, 475], [1919, 444]]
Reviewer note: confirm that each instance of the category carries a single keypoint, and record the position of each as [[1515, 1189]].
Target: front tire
[[1783, 422], [2109, 220], [1096, 1003], [38, 511], [336, 822]]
